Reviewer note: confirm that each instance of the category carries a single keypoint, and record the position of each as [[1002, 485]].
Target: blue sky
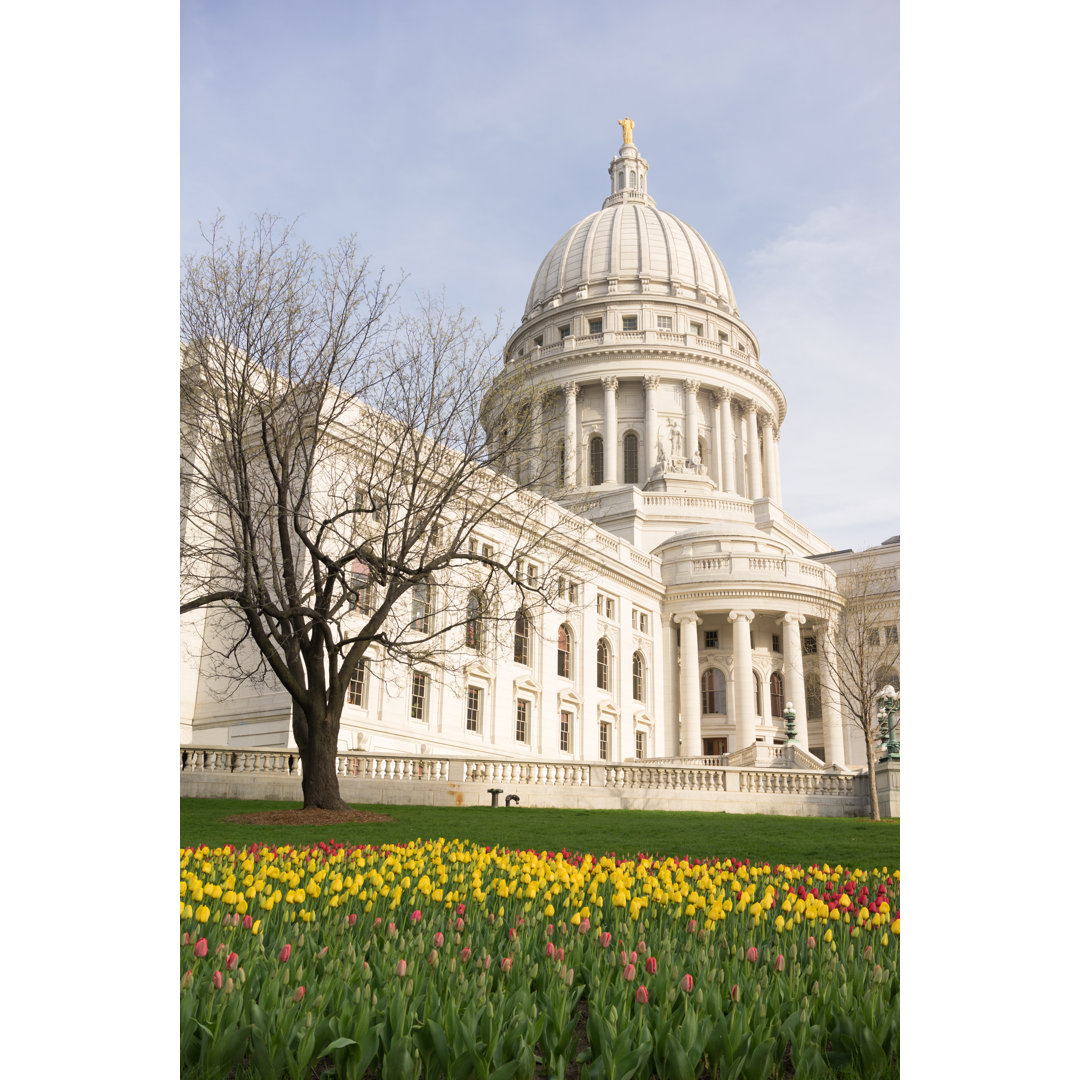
[[459, 141]]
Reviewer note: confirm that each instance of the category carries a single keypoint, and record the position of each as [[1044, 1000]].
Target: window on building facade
[[596, 460], [360, 586], [713, 692], [521, 638], [418, 696], [573, 592], [642, 622], [565, 720], [474, 626], [757, 693], [696, 329], [809, 645], [776, 643], [639, 745], [776, 694], [629, 322], [637, 677], [564, 332], [603, 664], [813, 697], [873, 637], [605, 741], [357, 685], [538, 340], [712, 639], [474, 697], [722, 335], [521, 726], [630, 456], [563, 653], [663, 322], [596, 326], [421, 607], [609, 608], [892, 635]]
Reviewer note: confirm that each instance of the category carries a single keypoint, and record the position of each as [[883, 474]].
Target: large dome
[[629, 240]]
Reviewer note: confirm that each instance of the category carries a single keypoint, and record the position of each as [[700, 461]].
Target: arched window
[[757, 693], [630, 456], [776, 694], [596, 460], [474, 629], [633, 179], [564, 651], [714, 692], [813, 697], [603, 664], [622, 179], [637, 677], [521, 638]]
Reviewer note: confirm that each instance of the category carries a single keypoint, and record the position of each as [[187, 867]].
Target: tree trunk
[[871, 776], [319, 757]]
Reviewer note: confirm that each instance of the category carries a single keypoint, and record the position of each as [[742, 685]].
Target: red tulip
[[810, 942], [187, 978], [751, 955], [506, 964], [650, 965], [642, 996], [583, 926], [246, 924], [459, 925], [513, 934], [559, 954], [351, 919], [549, 949], [779, 962], [629, 973], [201, 947], [439, 939], [605, 940], [461, 909], [217, 980], [693, 926], [284, 954], [466, 952], [231, 961], [687, 983], [298, 995], [401, 968], [416, 917]]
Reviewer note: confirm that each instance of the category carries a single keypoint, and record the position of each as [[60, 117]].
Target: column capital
[[748, 407], [611, 382], [687, 618], [570, 389], [734, 616], [766, 420], [691, 385], [791, 617], [652, 382], [721, 395]]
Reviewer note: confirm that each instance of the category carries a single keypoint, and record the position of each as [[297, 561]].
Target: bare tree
[[334, 463], [862, 652]]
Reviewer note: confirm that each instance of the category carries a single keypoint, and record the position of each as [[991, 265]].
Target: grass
[[757, 837]]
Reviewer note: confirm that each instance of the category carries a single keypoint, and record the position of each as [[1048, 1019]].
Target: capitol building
[[697, 607]]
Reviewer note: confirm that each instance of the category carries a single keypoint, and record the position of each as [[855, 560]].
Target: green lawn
[[758, 837]]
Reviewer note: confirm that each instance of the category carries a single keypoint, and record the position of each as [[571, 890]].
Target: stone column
[[832, 720], [725, 440], [753, 450], [775, 449], [768, 462], [691, 388], [794, 683], [611, 430], [745, 716], [689, 685], [652, 384], [740, 456], [570, 476], [535, 443]]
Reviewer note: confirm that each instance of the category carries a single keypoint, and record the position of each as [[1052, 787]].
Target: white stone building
[[697, 607]]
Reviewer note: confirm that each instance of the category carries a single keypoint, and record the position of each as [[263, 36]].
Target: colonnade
[[745, 461], [741, 695]]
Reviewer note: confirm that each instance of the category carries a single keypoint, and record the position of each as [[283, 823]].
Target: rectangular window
[[487, 551], [663, 322], [472, 545], [564, 332], [356, 685], [599, 603], [418, 697], [892, 636], [573, 593], [639, 745], [360, 586], [532, 575], [522, 724], [564, 731], [629, 322], [538, 341], [723, 336], [596, 326], [473, 699], [712, 639], [421, 607], [776, 643], [605, 741], [809, 645], [610, 608], [696, 328], [873, 637]]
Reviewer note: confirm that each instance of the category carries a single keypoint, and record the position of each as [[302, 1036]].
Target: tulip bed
[[445, 959]]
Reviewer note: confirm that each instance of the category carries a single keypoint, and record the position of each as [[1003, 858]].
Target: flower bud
[[650, 965], [298, 994], [201, 947], [778, 964], [687, 983], [549, 949], [217, 980], [466, 952], [433, 958], [810, 942], [229, 985], [351, 919], [642, 995], [416, 917], [605, 940], [439, 939], [629, 972], [459, 925], [506, 964], [559, 954], [401, 968], [735, 992], [231, 961], [461, 909], [187, 978], [284, 954], [751, 954]]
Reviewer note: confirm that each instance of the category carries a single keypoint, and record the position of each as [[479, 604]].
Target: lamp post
[[789, 722], [888, 705]]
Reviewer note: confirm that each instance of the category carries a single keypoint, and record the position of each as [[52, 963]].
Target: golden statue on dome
[[627, 126]]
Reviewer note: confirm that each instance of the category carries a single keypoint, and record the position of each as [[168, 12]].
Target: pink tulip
[[623, 958], [507, 963], [187, 940], [439, 939], [650, 965], [513, 934], [461, 909], [779, 962], [487, 961], [378, 921], [641, 947], [549, 929], [416, 917], [735, 992], [220, 949], [642, 996], [633, 957], [351, 919], [687, 983], [605, 940], [231, 961], [188, 978], [559, 955], [466, 952], [810, 942], [751, 955], [459, 925], [401, 968], [629, 973], [549, 949], [201, 947], [391, 929], [583, 926], [298, 994], [284, 954], [246, 924], [693, 926], [217, 980]]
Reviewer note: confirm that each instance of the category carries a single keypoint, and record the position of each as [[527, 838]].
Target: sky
[[459, 141]]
